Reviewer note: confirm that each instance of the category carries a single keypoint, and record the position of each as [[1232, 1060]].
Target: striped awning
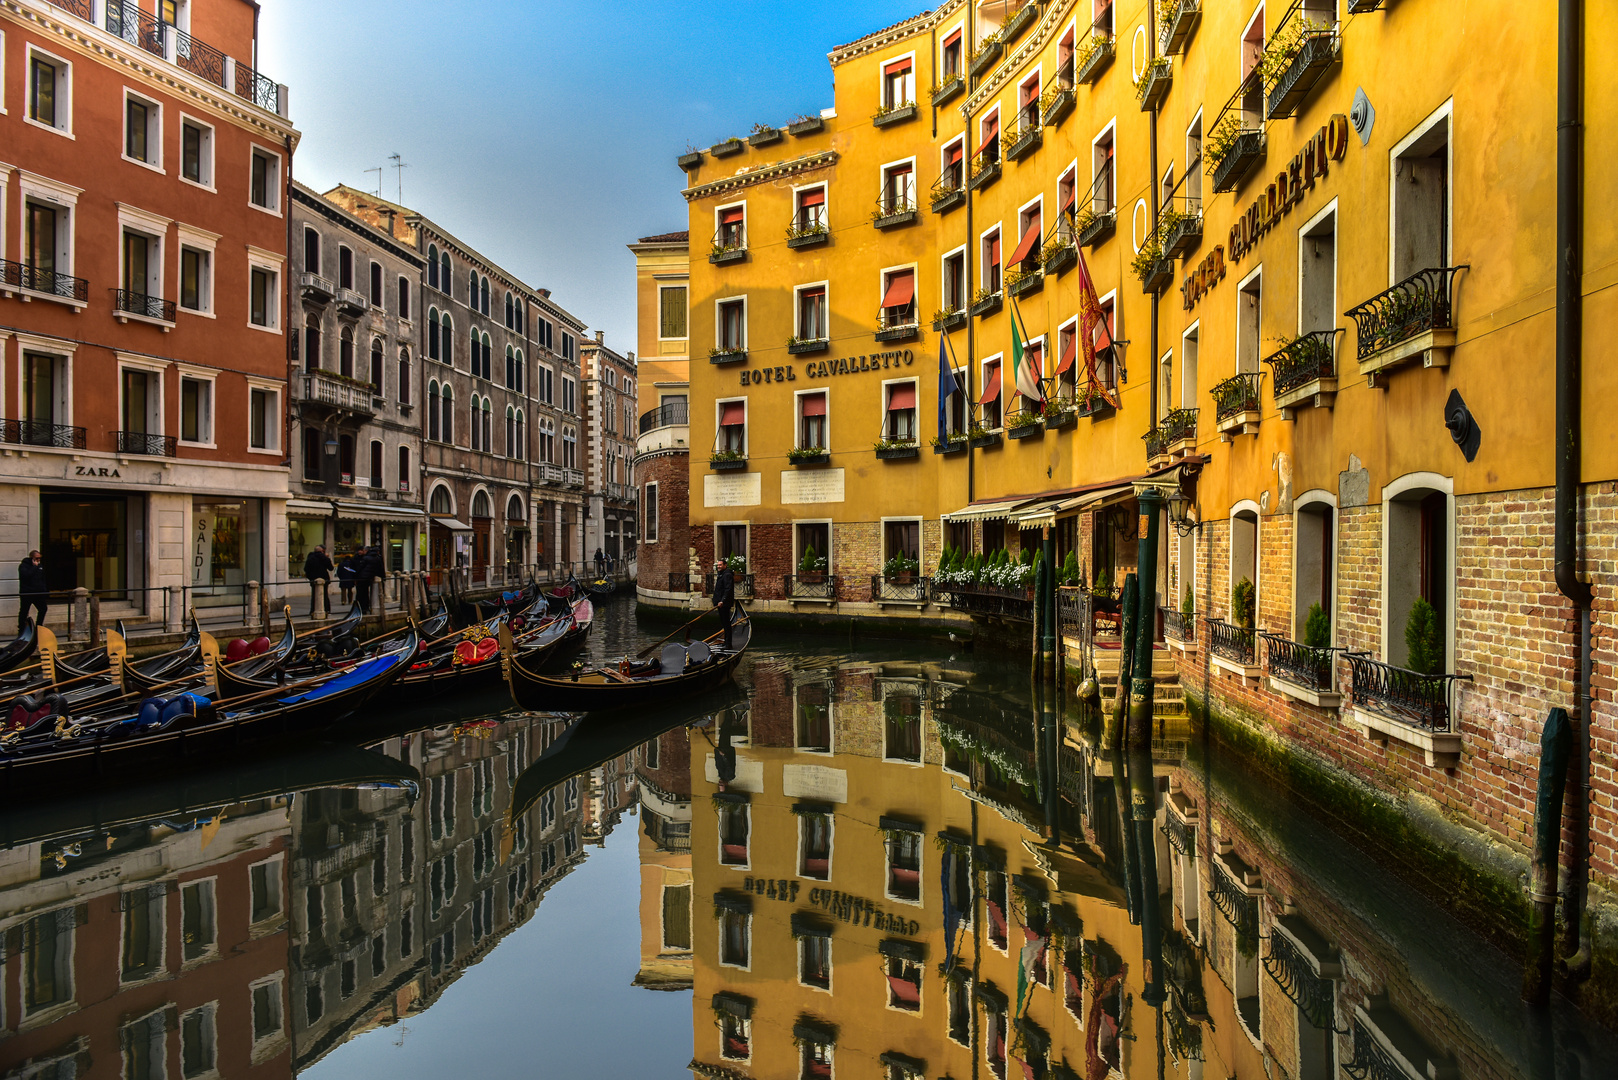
[[1046, 511], [988, 511]]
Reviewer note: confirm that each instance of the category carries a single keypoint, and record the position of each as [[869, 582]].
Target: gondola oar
[[660, 641]]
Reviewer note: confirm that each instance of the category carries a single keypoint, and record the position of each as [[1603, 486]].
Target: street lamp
[[1179, 507]]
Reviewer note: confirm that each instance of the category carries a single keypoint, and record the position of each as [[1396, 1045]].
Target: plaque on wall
[[811, 486], [732, 489]]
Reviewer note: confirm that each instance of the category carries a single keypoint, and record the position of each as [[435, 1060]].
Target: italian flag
[[1024, 368]]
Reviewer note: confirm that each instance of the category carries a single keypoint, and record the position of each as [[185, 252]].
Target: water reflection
[[893, 864]]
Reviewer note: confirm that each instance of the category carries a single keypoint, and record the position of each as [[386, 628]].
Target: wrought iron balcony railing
[[949, 190], [128, 21], [1239, 909], [1234, 643], [42, 433], [743, 585], [1313, 668], [22, 276], [1371, 1061], [1305, 359], [143, 305], [1315, 997], [1178, 426], [680, 582], [1401, 694], [1180, 625], [809, 586], [1419, 303], [82, 8], [257, 88], [914, 590], [139, 442], [1182, 837], [1236, 395], [669, 414], [894, 208]]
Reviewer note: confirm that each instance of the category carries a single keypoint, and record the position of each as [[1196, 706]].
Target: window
[[814, 844], [144, 1045], [568, 350], [345, 352], [1103, 17], [814, 960], [1315, 548], [47, 975], [815, 1062], [1249, 321], [266, 997], [264, 297], [142, 931], [900, 417], [49, 101], [1103, 177], [989, 137], [950, 54], [311, 453], [989, 403], [376, 367], [142, 273], [477, 427], [141, 407], [264, 189], [1421, 199], [812, 313], [902, 965], [731, 234], [735, 1032], [991, 261], [199, 1049], [264, 881], [345, 458], [1420, 563], [195, 279], [483, 296], [196, 153], [1067, 353], [903, 846], [47, 245], [510, 314], [446, 336], [404, 468], [511, 366], [1244, 564], [444, 274], [263, 419], [143, 131], [899, 83], [812, 420], [899, 188], [197, 920], [432, 334], [898, 298], [1025, 257], [404, 377], [196, 410], [345, 268], [376, 285], [734, 934], [1028, 102], [1106, 355], [732, 326], [732, 832], [1193, 166], [404, 297], [901, 703], [376, 463], [511, 432], [953, 284], [648, 514], [311, 344], [733, 426]]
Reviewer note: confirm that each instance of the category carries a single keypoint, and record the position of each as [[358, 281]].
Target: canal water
[[865, 860]]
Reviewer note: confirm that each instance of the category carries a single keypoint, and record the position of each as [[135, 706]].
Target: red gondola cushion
[[236, 650], [260, 645]]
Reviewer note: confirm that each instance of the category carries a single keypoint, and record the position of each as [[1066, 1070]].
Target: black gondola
[[18, 648], [471, 659], [601, 586], [677, 670]]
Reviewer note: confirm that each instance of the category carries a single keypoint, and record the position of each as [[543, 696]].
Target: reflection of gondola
[[677, 671], [101, 810], [588, 743]]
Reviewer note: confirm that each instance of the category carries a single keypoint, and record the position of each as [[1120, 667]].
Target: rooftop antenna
[[378, 171], [399, 167]]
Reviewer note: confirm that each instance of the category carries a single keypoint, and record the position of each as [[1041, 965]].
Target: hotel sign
[[825, 369]]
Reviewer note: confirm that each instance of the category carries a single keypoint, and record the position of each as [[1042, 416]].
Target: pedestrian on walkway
[[317, 568], [346, 572], [31, 584], [367, 568], [724, 594], [601, 562]]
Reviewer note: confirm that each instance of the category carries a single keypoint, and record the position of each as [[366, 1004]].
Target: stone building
[[502, 461], [610, 415], [662, 436], [355, 394]]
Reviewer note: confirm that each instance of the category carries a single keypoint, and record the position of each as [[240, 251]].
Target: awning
[[898, 67], [731, 215], [992, 390], [732, 413], [952, 39], [1068, 354], [902, 396], [1028, 92], [451, 524], [989, 511], [1046, 511], [814, 404], [813, 197], [396, 514], [305, 508], [901, 288], [1025, 246]]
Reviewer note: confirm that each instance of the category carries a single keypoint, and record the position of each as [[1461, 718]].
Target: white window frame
[[718, 319], [65, 198], [262, 259], [1444, 485], [983, 259], [1039, 201], [966, 281], [1256, 274], [966, 50], [921, 858], [1192, 332], [747, 935], [1108, 130], [719, 209], [1444, 114], [157, 410], [1314, 497], [207, 377], [1243, 507], [154, 131], [719, 410], [156, 228], [63, 351], [208, 182], [1329, 210], [661, 289], [831, 830], [162, 948], [204, 242], [273, 188], [277, 428], [915, 180], [212, 952], [831, 969], [1196, 167], [882, 80], [983, 384], [211, 1009], [797, 435], [999, 131], [797, 309], [64, 101], [1037, 74], [882, 404], [277, 980], [748, 526]]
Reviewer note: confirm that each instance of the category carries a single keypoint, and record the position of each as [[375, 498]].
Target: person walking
[[724, 594], [367, 567], [317, 569], [34, 592], [601, 562], [346, 572]]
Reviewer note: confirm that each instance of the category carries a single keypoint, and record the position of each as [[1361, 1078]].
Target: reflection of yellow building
[[664, 784]]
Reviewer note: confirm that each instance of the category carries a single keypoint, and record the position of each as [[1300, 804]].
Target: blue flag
[[946, 386]]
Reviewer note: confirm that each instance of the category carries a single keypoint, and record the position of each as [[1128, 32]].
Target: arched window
[[448, 432], [488, 357], [432, 410], [511, 367], [432, 333], [514, 509], [480, 505], [511, 432], [443, 274], [404, 297], [311, 344], [432, 265], [345, 354], [521, 453], [376, 368], [477, 428], [311, 453], [404, 468], [520, 373], [509, 316], [404, 376], [474, 343], [521, 318], [446, 338], [488, 427], [376, 463], [439, 503], [484, 305], [345, 457], [311, 251]]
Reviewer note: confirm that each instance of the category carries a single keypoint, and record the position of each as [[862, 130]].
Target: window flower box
[[1240, 154], [1412, 321], [1024, 282], [948, 198], [1024, 139], [948, 89], [727, 461], [764, 135], [1153, 85], [797, 346], [1096, 406], [893, 215], [1019, 21], [1025, 425], [1182, 232], [720, 255], [1179, 26], [895, 450], [986, 303], [982, 438], [897, 331], [808, 455], [888, 115], [1303, 372], [726, 148], [1097, 228], [1094, 58], [1059, 257], [953, 444], [807, 125], [979, 63], [984, 173], [1059, 415], [1055, 104], [726, 356], [802, 236], [690, 160], [945, 321]]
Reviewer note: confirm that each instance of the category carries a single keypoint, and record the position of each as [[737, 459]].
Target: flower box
[[1316, 52], [985, 57], [896, 453], [1025, 141], [727, 464], [951, 86], [1019, 21], [720, 258], [727, 356], [807, 237], [809, 459], [945, 201], [1098, 228], [1095, 62], [1059, 261], [898, 114], [1065, 418], [1158, 276], [950, 446], [985, 174], [903, 332], [1183, 236], [1179, 26], [986, 305], [986, 439], [1096, 408], [813, 345], [691, 160], [1153, 85], [892, 220], [726, 148], [1057, 108], [1029, 281], [1026, 431], [953, 321], [1245, 152], [764, 137], [807, 126]]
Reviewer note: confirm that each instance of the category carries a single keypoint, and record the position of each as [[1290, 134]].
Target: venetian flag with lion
[[1091, 316]]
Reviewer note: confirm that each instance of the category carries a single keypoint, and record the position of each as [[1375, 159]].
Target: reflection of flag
[[1027, 961], [946, 387], [1023, 367], [1092, 316]]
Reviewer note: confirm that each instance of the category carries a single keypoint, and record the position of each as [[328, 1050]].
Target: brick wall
[[671, 553]]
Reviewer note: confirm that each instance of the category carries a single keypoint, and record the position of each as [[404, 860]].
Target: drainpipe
[[1569, 358], [1151, 187]]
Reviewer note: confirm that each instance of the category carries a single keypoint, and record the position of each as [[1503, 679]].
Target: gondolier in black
[[367, 568], [317, 569], [31, 584], [724, 594]]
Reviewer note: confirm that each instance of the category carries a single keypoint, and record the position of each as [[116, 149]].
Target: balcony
[[315, 288], [1177, 433], [680, 581], [893, 210], [899, 589], [46, 283], [1182, 230], [1097, 227], [42, 433], [813, 586], [799, 346], [139, 442], [945, 321], [669, 414], [549, 474], [742, 584], [947, 191], [1304, 372], [1024, 137], [985, 171], [1412, 321], [1236, 405], [1179, 26], [1231, 167], [133, 305], [1408, 706], [352, 303], [1303, 672], [1095, 55], [337, 393], [1055, 104], [1154, 82], [1307, 49], [985, 303], [1231, 648], [1180, 627], [620, 493], [727, 354], [889, 115], [947, 90], [572, 478], [807, 232]]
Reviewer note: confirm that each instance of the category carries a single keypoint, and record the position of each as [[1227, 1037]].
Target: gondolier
[[724, 594]]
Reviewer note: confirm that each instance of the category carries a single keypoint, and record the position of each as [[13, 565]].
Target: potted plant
[[1102, 586], [808, 455], [691, 158], [811, 567], [727, 459], [763, 135], [1423, 644], [1157, 67], [1070, 572], [726, 147], [804, 124], [900, 570]]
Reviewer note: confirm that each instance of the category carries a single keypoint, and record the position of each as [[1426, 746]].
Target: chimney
[[601, 336]]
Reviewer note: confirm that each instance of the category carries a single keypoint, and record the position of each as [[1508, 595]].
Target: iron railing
[[128, 21], [814, 586], [82, 8], [22, 276], [1239, 125], [1236, 395], [143, 304], [1419, 303], [668, 414], [1182, 837], [1402, 694], [1315, 997], [1072, 609], [680, 582], [987, 600], [139, 442], [259, 89], [1303, 360], [1233, 642], [1177, 426], [1314, 48], [1239, 909], [1178, 26], [1180, 625], [198, 57], [1371, 1062], [1311, 667], [894, 207], [742, 585], [889, 588], [42, 433]]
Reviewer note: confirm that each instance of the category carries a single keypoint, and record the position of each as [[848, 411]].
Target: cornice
[[807, 163], [335, 214], [172, 79], [881, 39], [1008, 67]]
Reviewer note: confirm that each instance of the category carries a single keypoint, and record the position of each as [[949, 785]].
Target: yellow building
[[1325, 272]]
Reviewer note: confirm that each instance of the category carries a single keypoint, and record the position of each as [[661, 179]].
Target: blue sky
[[545, 134]]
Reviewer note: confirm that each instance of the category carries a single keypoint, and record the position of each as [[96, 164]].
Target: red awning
[[994, 250], [1068, 354], [991, 127], [952, 155], [901, 290], [817, 197], [731, 216], [1030, 239], [898, 67], [902, 396], [814, 404], [732, 413], [952, 39], [1029, 91], [1035, 356], [991, 392]]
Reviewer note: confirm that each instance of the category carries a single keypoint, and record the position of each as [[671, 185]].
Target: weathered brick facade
[[670, 552]]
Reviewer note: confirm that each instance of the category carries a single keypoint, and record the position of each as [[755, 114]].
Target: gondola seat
[[672, 659], [236, 650], [31, 715], [699, 653]]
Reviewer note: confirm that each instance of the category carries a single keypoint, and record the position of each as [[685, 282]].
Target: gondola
[[471, 659], [601, 586], [678, 670], [18, 648], [134, 741], [143, 676], [35, 687]]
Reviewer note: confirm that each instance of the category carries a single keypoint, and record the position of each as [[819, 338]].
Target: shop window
[[733, 828], [989, 403], [814, 960], [733, 426], [49, 91], [143, 1044], [732, 326], [195, 279], [196, 410], [950, 56], [899, 188], [264, 185], [812, 420], [903, 848], [143, 130], [1422, 199], [142, 950], [1420, 563], [814, 844], [199, 1042], [47, 964], [263, 419], [263, 297], [1103, 175], [899, 83], [900, 416]]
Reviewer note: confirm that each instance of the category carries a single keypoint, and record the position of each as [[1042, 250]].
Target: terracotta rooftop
[[885, 29], [665, 238]]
